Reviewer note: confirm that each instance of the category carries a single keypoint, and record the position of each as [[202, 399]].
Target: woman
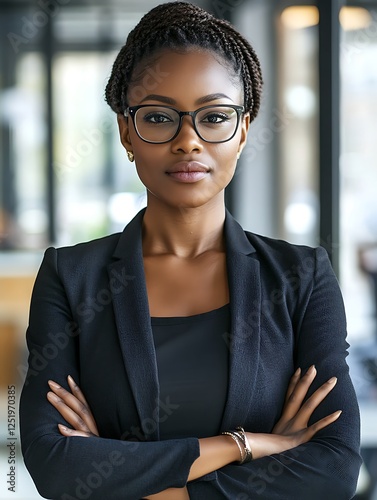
[[193, 341]]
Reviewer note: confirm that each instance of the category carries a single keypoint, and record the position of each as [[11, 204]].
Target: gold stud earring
[[131, 156]]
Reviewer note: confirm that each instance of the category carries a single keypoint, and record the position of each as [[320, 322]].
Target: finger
[[77, 391], [314, 401], [81, 410], [65, 431], [67, 413], [69, 399], [292, 384], [310, 432], [298, 395], [324, 422]]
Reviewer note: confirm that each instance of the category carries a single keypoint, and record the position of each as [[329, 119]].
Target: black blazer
[[89, 318]]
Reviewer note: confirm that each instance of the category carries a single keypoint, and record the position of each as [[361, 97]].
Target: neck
[[184, 232]]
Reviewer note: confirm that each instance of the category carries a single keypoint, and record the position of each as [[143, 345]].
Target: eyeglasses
[[159, 124]]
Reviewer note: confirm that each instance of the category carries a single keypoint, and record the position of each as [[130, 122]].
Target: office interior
[[308, 174]]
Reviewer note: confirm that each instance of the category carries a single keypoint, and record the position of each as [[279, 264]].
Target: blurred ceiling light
[[33, 221], [300, 218], [300, 17], [354, 18], [304, 16], [301, 101]]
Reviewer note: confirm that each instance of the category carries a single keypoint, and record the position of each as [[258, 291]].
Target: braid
[[180, 25]]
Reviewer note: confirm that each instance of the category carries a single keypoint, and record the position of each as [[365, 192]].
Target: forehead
[[185, 77]]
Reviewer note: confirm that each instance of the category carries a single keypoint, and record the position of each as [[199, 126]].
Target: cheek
[[225, 155], [152, 154], [148, 160], [224, 165]]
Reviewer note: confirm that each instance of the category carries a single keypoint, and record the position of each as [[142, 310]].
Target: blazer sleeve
[[326, 467], [78, 467]]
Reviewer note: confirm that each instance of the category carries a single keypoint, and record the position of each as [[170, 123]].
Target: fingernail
[[63, 427], [70, 379], [52, 395], [298, 371], [339, 413], [53, 384], [311, 369], [332, 380]]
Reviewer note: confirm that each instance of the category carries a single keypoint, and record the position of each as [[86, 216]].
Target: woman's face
[[186, 82]]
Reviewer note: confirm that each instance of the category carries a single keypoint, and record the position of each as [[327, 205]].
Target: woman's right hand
[[292, 428]]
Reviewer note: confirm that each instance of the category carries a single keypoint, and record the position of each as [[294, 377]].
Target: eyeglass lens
[[160, 124]]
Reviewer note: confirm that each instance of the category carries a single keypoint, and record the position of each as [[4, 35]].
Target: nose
[[187, 140]]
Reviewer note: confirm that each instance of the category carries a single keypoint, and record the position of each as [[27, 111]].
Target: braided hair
[[180, 26]]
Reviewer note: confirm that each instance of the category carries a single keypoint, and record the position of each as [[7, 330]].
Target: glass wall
[[298, 152], [97, 189], [359, 172], [358, 223], [89, 188]]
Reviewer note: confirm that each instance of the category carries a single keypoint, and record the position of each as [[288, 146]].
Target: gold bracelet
[[240, 432], [237, 441]]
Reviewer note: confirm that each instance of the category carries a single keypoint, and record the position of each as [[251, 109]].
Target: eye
[[216, 117], [157, 117]]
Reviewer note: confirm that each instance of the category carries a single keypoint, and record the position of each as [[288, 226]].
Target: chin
[[194, 203]]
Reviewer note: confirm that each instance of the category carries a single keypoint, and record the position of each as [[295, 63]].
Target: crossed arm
[[218, 451]]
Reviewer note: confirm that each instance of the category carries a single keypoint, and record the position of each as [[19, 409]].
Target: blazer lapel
[[135, 333], [244, 338], [132, 317]]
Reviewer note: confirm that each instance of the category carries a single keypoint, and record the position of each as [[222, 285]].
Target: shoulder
[[82, 260], [276, 258], [99, 248], [284, 256], [294, 271], [299, 277]]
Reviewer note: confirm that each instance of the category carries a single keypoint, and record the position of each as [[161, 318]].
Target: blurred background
[[308, 174]]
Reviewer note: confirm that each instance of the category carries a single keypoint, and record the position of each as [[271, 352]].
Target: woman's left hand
[[74, 408]]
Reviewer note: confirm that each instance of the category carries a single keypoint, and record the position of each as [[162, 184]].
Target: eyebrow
[[212, 97], [161, 98], [169, 100]]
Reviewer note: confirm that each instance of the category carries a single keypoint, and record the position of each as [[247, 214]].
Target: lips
[[188, 166], [188, 171]]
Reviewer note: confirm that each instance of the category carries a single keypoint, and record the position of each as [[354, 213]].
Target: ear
[[245, 124], [124, 131]]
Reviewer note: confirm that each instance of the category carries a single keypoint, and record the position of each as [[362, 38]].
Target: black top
[[192, 361]]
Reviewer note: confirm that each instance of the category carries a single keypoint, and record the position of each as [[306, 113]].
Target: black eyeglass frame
[[131, 111]]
